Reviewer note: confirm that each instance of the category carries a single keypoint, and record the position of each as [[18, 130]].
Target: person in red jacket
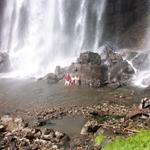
[[67, 79]]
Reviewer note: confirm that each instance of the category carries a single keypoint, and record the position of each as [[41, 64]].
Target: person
[[67, 79], [77, 80], [72, 80]]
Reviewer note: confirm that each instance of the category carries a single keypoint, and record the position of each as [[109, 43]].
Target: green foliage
[[99, 140], [141, 141]]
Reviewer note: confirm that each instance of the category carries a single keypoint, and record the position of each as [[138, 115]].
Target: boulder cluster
[[97, 70], [16, 134]]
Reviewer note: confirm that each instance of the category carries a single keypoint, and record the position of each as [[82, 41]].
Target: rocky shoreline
[[109, 119]]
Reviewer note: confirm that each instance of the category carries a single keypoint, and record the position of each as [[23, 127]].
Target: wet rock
[[113, 68], [30, 135], [133, 114], [65, 140], [138, 62], [38, 134], [145, 103], [59, 135], [104, 74], [98, 70], [41, 122], [60, 72], [81, 142], [117, 72], [48, 134], [24, 142], [99, 113], [51, 78], [38, 122], [137, 113], [89, 58], [90, 127], [100, 131], [115, 85], [46, 131], [13, 123], [6, 118], [108, 54], [87, 69], [2, 128]]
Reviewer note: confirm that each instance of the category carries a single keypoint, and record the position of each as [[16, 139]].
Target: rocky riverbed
[[103, 104], [109, 119]]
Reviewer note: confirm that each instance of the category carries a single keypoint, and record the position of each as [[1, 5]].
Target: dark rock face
[[117, 68], [97, 70], [60, 72], [126, 23], [89, 58], [51, 78], [87, 68], [145, 103], [90, 127], [141, 61], [120, 71]]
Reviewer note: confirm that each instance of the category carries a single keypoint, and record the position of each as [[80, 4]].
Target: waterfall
[[142, 74], [41, 34]]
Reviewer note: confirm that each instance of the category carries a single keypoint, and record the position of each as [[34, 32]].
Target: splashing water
[[40, 35], [141, 65]]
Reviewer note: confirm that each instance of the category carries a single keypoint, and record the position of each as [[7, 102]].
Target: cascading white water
[[40, 34], [142, 74]]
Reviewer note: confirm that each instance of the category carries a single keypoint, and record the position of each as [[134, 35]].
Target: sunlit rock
[[90, 127]]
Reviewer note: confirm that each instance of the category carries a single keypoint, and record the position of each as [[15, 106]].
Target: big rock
[[87, 68], [89, 58]]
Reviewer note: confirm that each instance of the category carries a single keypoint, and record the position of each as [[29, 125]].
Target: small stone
[[58, 134], [6, 118], [90, 127], [13, 123], [54, 146], [2, 128], [30, 136], [46, 131]]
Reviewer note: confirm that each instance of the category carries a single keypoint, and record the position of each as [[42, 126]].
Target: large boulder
[[51, 78], [98, 70], [60, 72], [13, 123], [120, 71], [90, 127], [88, 68], [89, 58], [141, 60], [145, 103]]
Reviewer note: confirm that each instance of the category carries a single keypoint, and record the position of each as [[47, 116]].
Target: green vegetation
[[99, 140], [141, 141]]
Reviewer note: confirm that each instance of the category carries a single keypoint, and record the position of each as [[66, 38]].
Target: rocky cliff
[[127, 23]]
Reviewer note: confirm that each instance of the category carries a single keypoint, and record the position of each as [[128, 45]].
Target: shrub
[[140, 141]]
